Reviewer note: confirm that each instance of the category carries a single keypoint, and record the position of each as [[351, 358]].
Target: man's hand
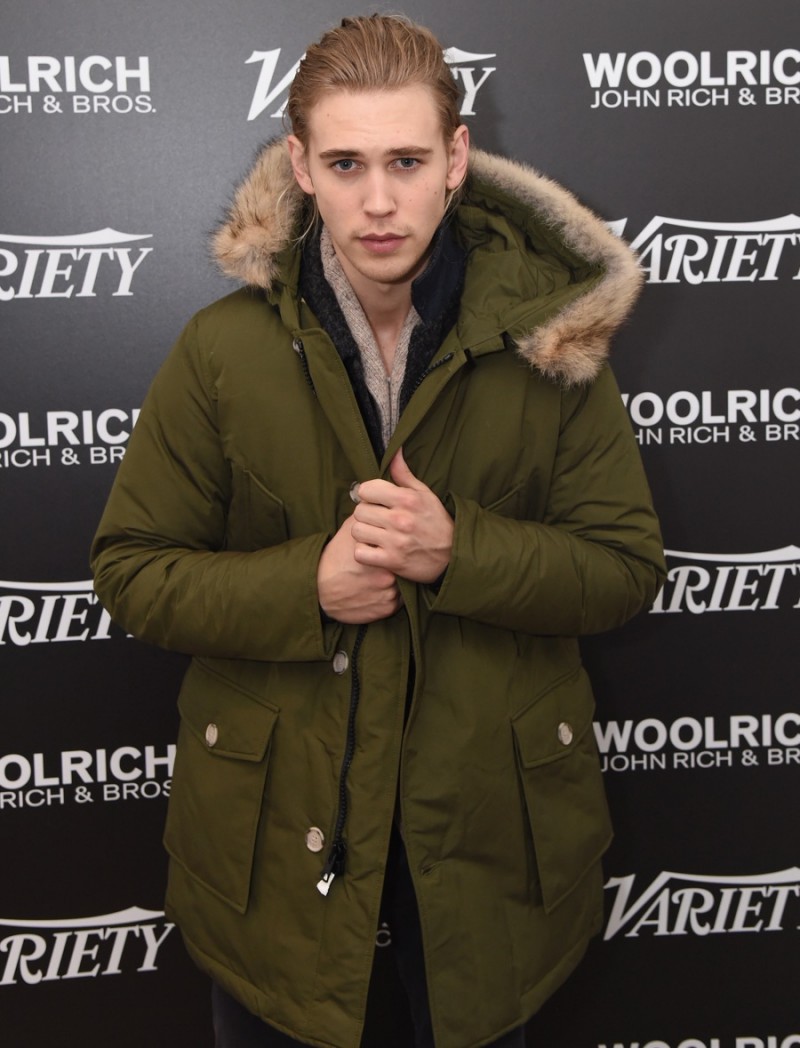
[[402, 527], [352, 592]]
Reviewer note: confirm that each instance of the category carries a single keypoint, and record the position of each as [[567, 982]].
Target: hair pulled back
[[372, 53]]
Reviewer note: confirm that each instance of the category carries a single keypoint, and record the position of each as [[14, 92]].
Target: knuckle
[[404, 522]]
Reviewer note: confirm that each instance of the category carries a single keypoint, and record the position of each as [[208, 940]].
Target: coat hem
[[247, 995]]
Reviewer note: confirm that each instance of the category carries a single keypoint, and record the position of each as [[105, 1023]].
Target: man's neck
[[386, 307], [387, 315]]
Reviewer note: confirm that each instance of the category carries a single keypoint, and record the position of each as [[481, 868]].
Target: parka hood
[[268, 208]]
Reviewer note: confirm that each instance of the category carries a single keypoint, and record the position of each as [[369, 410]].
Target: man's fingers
[[368, 555], [370, 513], [377, 492], [388, 493]]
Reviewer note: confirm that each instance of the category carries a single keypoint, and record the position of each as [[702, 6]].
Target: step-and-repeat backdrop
[[124, 127]]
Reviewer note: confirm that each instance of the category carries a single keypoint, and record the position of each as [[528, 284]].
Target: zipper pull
[[333, 867]]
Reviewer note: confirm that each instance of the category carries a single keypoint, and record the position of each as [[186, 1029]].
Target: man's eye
[[407, 162], [344, 165]]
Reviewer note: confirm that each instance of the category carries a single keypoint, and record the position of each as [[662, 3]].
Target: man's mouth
[[382, 243]]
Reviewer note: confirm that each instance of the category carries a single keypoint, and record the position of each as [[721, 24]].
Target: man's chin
[[393, 271]]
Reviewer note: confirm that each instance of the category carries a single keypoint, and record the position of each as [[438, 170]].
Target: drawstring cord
[[335, 865]]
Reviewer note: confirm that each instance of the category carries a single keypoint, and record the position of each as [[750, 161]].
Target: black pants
[[235, 1027]]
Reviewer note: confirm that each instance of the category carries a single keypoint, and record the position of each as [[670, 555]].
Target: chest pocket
[[563, 785], [256, 518], [509, 504]]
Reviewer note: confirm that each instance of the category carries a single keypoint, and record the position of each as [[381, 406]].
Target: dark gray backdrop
[[698, 718]]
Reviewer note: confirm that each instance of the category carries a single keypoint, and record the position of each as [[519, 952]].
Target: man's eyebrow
[[356, 154], [409, 151]]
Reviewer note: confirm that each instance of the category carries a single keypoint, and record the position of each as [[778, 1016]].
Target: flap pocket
[[228, 719], [219, 781], [563, 785]]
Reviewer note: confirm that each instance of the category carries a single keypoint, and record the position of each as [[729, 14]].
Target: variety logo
[[81, 948], [791, 1040], [49, 612], [683, 79], [683, 251], [272, 88], [690, 904], [746, 416], [67, 266], [745, 740], [706, 582], [66, 438], [94, 84], [84, 776]]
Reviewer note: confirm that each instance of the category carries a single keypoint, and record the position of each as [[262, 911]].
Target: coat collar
[[268, 208]]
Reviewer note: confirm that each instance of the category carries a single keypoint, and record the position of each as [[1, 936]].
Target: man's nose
[[378, 198]]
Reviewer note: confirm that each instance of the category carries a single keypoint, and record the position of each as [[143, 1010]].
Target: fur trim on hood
[[571, 347]]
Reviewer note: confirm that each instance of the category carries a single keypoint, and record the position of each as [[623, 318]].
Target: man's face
[[380, 168]]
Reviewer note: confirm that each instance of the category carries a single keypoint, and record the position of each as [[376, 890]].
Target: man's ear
[[297, 155], [459, 157]]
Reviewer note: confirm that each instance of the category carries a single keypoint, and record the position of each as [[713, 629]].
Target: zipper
[[299, 348], [445, 360], [335, 864], [392, 419]]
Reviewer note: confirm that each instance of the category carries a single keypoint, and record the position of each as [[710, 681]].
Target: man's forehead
[[390, 120]]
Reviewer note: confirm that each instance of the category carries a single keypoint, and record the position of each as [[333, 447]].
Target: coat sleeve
[[596, 557], [159, 560]]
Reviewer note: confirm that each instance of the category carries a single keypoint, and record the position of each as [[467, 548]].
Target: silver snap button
[[565, 733], [340, 662], [315, 839], [354, 496], [212, 734]]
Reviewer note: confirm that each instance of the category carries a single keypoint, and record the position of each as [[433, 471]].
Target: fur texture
[[570, 348]]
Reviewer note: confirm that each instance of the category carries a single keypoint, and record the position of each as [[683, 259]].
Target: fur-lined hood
[[570, 347]]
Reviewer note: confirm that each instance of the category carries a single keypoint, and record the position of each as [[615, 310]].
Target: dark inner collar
[[433, 289]]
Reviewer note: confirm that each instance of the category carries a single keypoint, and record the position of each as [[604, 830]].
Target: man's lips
[[381, 243]]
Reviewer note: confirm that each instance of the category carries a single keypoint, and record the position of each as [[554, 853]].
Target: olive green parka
[[237, 474]]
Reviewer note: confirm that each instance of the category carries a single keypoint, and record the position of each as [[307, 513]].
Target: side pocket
[[218, 782], [563, 785]]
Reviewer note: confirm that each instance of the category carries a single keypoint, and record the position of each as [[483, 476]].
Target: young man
[[377, 495]]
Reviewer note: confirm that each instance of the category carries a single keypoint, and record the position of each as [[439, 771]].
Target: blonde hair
[[372, 53]]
